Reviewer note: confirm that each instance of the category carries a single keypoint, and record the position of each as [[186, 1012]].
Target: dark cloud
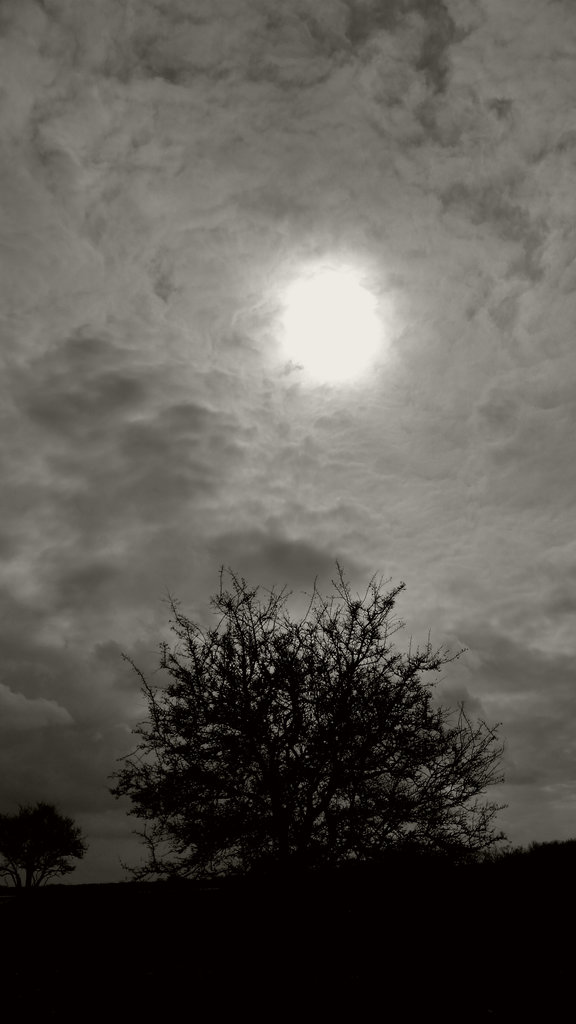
[[562, 600], [498, 413], [502, 107], [531, 694], [368, 17], [65, 716], [88, 582], [274, 559], [440, 34], [73, 406], [487, 204], [19, 713]]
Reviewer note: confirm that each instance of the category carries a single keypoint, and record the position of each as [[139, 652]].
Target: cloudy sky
[[168, 170]]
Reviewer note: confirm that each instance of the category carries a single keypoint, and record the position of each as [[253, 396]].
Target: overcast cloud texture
[[167, 168]]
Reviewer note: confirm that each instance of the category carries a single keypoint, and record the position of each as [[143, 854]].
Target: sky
[[168, 170]]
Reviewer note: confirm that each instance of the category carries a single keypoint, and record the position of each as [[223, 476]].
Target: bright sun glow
[[331, 325]]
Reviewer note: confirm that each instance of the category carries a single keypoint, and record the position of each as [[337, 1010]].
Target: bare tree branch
[[304, 741]]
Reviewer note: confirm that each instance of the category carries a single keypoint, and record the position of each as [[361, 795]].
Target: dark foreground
[[451, 947]]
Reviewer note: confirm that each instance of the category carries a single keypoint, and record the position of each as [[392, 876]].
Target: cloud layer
[[167, 169]]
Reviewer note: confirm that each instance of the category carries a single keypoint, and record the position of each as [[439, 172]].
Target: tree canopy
[[304, 741], [37, 844]]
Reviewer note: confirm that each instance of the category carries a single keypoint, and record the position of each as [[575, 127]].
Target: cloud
[[269, 556], [530, 693], [168, 169], [20, 713]]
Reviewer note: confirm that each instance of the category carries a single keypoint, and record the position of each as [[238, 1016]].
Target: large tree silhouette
[[302, 742], [37, 844]]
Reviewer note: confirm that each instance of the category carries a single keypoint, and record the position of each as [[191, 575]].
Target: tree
[[303, 742], [36, 844]]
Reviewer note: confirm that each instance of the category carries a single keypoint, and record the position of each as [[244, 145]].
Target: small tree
[[303, 742], [36, 844]]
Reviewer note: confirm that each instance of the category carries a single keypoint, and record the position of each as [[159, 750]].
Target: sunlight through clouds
[[331, 325]]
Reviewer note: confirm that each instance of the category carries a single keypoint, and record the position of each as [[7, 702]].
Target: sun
[[331, 325]]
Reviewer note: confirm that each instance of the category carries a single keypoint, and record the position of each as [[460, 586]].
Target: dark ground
[[454, 947]]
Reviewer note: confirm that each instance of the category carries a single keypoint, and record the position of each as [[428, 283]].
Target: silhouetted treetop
[[37, 844], [303, 742]]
